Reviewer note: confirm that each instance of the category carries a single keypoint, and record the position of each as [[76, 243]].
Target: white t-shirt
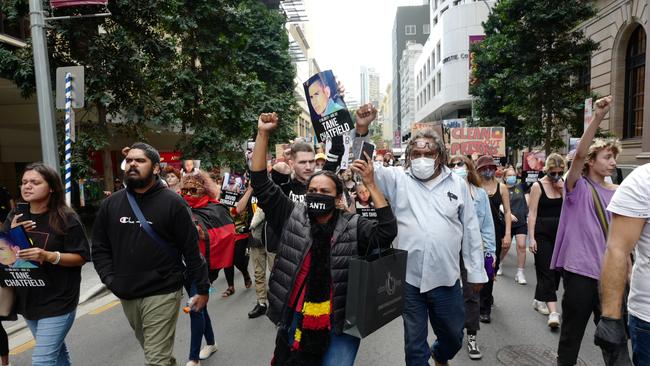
[[632, 199]]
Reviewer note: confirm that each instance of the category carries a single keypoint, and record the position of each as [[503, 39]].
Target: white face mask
[[423, 168]]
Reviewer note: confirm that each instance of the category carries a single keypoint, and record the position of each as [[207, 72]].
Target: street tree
[[526, 70]]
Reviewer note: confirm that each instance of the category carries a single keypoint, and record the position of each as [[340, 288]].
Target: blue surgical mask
[[511, 180], [487, 174], [461, 172]]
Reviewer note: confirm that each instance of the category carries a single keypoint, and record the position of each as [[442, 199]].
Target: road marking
[[23, 347], [102, 309]]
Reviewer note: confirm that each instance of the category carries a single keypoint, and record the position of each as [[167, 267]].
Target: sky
[[347, 34]]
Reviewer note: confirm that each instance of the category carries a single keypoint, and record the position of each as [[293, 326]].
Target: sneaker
[[193, 363], [541, 307], [207, 351], [472, 348], [500, 271], [554, 320], [520, 278], [258, 310]]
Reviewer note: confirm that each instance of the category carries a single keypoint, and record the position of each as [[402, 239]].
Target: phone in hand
[[23, 208], [367, 148]]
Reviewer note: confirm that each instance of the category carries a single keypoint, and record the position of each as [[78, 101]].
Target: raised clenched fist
[[267, 122], [603, 105], [365, 115]]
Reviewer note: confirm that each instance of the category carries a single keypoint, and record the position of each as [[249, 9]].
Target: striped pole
[[68, 138]]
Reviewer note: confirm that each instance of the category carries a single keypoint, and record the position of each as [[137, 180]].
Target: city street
[[102, 336]]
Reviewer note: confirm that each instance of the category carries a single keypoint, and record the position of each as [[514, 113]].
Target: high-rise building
[[408, 85], [411, 23], [442, 71], [369, 86]]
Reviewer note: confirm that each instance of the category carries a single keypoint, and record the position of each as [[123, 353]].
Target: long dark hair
[[337, 182], [57, 209]]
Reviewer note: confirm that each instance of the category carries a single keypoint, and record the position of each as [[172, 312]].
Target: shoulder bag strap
[[173, 253], [600, 210]]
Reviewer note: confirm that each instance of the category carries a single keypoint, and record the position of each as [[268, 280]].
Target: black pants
[[472, 300], [580, 300], [548, 279], [240, 261], [486, 292], [4, 341]]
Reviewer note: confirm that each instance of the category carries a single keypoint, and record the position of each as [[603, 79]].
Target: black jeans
[[486, 292], [472, 300], [580, 300]]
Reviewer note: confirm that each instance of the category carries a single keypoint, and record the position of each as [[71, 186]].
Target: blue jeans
[[446, 311], [200, 326], [50, 333], [640, 335], [342, 350]]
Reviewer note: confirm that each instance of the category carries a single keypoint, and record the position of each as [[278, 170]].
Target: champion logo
[[129, 220]]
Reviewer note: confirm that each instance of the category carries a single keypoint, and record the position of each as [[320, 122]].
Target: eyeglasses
[[459, 164], [422, 145]]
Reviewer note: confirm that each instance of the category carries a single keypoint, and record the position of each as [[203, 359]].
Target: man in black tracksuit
[[145, 274]]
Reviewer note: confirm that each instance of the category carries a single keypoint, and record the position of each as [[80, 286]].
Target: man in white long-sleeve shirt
[[436, 223]]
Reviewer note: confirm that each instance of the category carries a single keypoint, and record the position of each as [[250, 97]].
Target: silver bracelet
[[58, 258]]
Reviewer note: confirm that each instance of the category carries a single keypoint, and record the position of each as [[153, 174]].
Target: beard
[[137, 182]]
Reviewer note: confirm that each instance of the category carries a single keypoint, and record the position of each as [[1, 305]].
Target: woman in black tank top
[[499, 195], [545, 206]]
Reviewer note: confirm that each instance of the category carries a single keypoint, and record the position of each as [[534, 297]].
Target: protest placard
[[16, 272], [533, 165], [478, 140], [329, 115]]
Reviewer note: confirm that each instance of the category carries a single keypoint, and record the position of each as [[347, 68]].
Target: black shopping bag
[[375, 291]]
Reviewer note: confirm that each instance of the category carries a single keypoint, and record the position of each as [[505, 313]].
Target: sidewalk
[[91, 286]]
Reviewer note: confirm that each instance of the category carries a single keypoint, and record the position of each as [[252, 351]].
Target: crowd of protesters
[[303, 218]]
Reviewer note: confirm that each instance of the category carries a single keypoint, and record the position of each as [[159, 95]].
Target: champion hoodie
[[129, 262]]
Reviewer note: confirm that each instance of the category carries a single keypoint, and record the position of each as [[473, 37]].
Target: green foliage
[[527, 68], [203, 68]]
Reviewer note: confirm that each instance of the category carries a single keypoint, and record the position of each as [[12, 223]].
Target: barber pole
[[68, 138]]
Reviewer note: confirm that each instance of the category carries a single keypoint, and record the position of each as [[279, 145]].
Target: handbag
[[375, 294], [7, 298], [167, 247]]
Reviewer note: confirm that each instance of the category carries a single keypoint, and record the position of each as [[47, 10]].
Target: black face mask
[[319, 204]]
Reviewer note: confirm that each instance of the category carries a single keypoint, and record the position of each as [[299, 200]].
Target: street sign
[[78, 86]]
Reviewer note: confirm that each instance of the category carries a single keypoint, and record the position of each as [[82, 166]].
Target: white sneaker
[[540, 307], [207, 351], [500, 271], [520, 278], [554, 320], [193, 363]]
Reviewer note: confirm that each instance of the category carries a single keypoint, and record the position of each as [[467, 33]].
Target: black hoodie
[[129, 262]]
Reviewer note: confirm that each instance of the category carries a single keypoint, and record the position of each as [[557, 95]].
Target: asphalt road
[[103, 336]]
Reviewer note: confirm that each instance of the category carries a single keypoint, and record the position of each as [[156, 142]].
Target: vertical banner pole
[[68, 138]]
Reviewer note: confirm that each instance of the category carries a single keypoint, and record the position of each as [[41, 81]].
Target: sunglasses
[[556, 174], [191, 191], [459, 164]]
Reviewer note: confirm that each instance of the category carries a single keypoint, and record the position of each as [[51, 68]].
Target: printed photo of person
[[9, 255], [322, 95], [534, 161]]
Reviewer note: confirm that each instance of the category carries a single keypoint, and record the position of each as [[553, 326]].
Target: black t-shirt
[[518, 204], [292, 188], [61, 292], [5, 203]]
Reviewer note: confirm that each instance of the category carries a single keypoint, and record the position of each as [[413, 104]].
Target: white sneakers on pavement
[[540, 307], [520, 277], [500, 271], [554, 320], [207, 351], [472, 347], [193, 363]]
